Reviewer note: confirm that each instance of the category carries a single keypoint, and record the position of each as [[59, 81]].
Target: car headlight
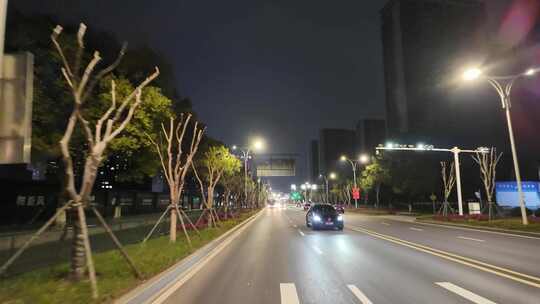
[[316, 218], [340, 218]]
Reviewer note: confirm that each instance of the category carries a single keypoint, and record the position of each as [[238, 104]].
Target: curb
[[187, 262], [489, 229]]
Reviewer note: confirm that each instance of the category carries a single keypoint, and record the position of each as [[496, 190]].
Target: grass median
[[49, 285], [505, 223]]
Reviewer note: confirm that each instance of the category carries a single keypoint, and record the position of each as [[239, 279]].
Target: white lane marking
[[359, 294], [317, 249], [295, 226], [416, 229], [384, 223], [470, 239], [301, 233], [288, 293], [464, 293], [195, 268]]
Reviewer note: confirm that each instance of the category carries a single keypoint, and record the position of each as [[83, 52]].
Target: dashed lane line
[[359, 294], [470, 239], [288, 293], [471, 296], [317, 250], [499, 271]]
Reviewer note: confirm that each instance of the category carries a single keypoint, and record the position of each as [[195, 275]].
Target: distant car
[[324, 216], [307, 206], [340, 208]]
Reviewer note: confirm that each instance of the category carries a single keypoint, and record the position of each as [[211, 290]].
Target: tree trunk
[[78, 257], [210, 206], [377, 194], [172, 230], [226, 206]]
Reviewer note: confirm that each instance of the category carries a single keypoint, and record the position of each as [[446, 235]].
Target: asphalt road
[[276, 259]]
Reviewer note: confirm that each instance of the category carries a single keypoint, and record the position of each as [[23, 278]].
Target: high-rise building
[[333, 143], [425, 44], [369, 134], [313, 160]]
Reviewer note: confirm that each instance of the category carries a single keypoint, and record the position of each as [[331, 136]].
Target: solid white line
[[470, 239], [464, 293], [201, 263], [301, 233], [416, 229], [319, 251], [288, 293], [359, 294], [384, 223]]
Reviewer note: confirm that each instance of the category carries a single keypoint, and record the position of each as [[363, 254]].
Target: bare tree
[[175, 164], [449, 180], [107, 127], [488, 165]]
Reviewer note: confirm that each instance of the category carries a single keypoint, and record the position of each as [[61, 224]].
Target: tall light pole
[[455, 150], [363, 159], [325, 178], [503, 86], [258, 144]]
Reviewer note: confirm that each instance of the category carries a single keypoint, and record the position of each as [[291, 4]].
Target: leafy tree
[[214, 164], [374, 176], [233, 186], [52, 101], [155, 108]]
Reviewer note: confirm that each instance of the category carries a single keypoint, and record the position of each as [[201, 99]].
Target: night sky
[[281, 70]]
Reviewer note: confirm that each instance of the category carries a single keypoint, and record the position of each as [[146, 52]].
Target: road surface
[[276, 259]]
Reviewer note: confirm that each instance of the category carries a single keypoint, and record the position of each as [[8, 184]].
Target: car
[[340, 208], [324, 216], [307, 205]]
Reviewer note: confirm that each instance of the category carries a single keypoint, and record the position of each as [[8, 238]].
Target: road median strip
[[500, 271]]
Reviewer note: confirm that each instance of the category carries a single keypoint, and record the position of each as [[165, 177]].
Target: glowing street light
[[332, 175], [364, 158], [503, 85], [472, 74], [293, 187], [354, 164], [257, 144]]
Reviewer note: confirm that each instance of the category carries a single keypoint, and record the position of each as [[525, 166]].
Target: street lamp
[[257, 144], [330, 176], [455, 150], [503, 86], [354, 164], [293, 187], [364, 158]]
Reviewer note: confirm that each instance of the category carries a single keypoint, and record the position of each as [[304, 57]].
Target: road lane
[[516, 253], [323, 265], [408, 273]]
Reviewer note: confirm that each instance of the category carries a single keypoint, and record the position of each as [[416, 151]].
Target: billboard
[[16, 92], [507, 194], [279, 166]]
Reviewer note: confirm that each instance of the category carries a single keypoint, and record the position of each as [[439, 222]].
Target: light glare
[[472, 74]]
